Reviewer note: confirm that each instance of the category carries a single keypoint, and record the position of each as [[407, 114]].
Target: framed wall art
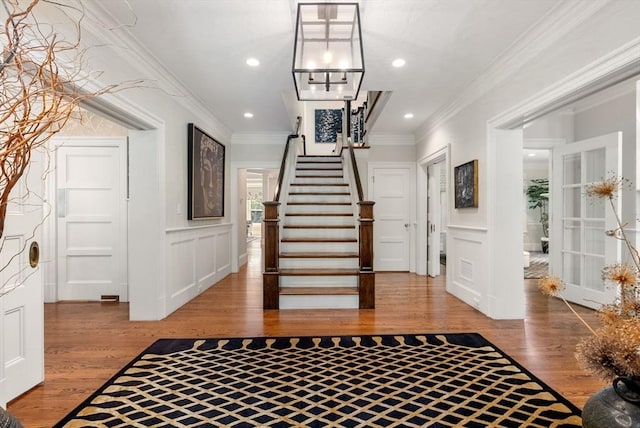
[[328, 123], [206, 175], [466, 184]]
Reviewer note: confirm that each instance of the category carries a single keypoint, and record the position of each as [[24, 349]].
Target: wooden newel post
[[367, 277], [271, 273]]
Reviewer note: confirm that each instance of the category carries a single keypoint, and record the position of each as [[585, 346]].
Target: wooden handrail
[[271, 272], [283, 164], [354, 167], [374, 102]]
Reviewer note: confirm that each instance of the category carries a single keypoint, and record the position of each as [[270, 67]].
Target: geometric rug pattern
[[425, 380]]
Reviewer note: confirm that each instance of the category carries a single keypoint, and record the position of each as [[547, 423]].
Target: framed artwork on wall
[[206, 175], [328, 123], [466, 184]]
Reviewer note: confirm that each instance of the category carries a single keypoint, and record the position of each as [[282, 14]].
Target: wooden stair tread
[[318, 272], [319, 255], [319, 240], [318, 203], [319, 214], [319, 176], [318, 169], [318, 291], [319, 193], [319, 226], [319, 184]]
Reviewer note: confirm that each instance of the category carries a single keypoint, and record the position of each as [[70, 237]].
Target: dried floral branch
[[553, 286], [41, 88], [614, 348]]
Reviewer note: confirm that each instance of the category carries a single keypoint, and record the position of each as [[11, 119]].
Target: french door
[[579, 246]]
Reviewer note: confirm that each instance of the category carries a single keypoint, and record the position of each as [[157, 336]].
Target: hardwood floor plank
[[87, 343]]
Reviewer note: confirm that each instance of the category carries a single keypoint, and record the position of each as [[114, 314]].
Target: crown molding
[[116, 36], [610, 69], [560, 20], [611, 95]]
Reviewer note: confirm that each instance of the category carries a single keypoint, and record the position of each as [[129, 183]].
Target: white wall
[[579, 50], [161, 277], [240, 198]]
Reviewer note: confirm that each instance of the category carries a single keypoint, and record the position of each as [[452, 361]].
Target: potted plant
[[538, 194]]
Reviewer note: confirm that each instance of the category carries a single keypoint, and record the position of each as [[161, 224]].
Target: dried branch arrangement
[[41, 88], [613, 349]]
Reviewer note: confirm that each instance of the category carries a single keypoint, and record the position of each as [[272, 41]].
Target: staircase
[[318, 253], [319, 246]]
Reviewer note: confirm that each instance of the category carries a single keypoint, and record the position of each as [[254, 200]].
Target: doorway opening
[[433, 219], [586, 141]]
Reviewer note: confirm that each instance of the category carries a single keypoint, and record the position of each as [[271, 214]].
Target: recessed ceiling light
[[408, 116], [253, 62], [531, 155], [399, 62], [248, 115]]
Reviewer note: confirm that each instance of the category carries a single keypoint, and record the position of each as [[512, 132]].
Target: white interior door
[[433, 219], [22, 326], [91, 219], [392, 226], [579, 247]]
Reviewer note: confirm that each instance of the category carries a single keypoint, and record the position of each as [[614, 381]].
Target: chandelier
[[328, 61]]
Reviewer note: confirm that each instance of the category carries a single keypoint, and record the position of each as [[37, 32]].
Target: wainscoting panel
[[467, 262], [197, 258], [206, 260], [223, 254], [182, 278]]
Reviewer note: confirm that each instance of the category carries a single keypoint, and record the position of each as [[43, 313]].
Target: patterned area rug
[[344, 381], [538, 266]]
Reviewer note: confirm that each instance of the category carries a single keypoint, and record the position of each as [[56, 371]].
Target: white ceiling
[[204, 44]]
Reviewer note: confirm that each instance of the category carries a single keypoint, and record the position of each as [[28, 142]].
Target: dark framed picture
[[465, 178], [206, 175], [328, 124]]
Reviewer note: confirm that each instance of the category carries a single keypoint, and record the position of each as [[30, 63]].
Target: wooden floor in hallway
[[87, 343]]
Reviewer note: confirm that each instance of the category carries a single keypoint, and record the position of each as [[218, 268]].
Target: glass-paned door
[[579, 246]]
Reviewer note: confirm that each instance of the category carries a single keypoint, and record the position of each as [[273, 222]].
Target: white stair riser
[[321, 221], [319, 302], [325, 172], [323, 189], [319, 159], [318, 263], [324, 247], [320, 233], [319, 281], [320, 198], [339, 209], [315, 165], [322, 180]]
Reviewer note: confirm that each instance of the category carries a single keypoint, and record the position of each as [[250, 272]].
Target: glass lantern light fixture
[[328, 60]]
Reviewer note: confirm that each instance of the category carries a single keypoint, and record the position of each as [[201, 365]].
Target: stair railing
[[366, 274], [271, 273]]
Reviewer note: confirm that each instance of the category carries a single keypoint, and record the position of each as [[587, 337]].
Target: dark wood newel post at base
[[367, 277], [271, 273]]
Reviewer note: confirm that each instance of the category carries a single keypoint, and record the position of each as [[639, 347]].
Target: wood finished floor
[[87, 343]]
